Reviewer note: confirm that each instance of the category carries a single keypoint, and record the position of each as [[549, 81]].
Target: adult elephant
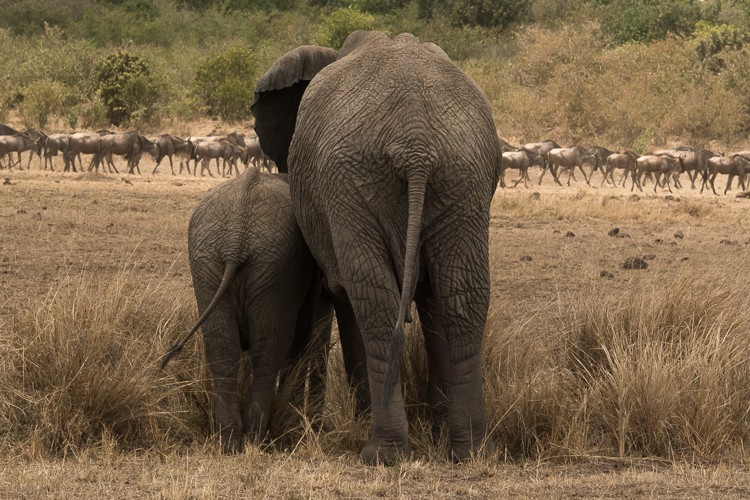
[[259, 290], [393, 160]]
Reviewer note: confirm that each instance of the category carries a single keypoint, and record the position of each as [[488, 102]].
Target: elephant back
[[398, 94]]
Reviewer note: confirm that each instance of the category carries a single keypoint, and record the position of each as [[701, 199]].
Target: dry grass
[[635, 385], [81, 369]]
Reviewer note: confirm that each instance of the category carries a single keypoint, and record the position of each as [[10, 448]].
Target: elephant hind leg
[[222, 349], [373, 294], [271, 336], [437, 367], [461, 300]]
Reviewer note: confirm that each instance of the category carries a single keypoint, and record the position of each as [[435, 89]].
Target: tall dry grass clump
[[663, 370], [80, 368], [658, 370]]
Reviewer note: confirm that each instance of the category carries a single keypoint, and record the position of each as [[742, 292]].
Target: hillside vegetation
[[624, 74]]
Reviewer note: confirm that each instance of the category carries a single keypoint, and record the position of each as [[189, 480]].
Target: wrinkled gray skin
[[392, 168], [258, 290]]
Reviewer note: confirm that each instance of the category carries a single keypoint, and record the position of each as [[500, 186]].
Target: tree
[[126, 87], [334, 28], [486, 13], [225, 83], [648, 20]]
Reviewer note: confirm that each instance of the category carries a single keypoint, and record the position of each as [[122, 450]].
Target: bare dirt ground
[[543, 246]]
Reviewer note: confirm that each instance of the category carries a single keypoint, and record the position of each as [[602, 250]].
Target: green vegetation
[[334, 28], [622, 73], [225, 83], [126, 88]]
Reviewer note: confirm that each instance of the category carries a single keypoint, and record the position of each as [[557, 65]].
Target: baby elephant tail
[[229, 271]]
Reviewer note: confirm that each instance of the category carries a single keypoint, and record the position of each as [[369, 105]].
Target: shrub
[[487, 13], [648, 20], [713, 41], [126, 88], [44, 98], [334, 28], [225, 83]]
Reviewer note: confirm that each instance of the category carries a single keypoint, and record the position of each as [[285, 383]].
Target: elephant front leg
[[437, 368], [355, 355]]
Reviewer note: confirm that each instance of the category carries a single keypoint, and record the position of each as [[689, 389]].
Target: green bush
[[335, 27], [126, 87], [44, 98], [225, 83], [487, 13], [713, 42], [648, 20]]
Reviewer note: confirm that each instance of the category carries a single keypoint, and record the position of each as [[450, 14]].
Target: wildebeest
[[17, 143], [541, 149], [657, 164], [127, 144], [142, 145], [521, 161], [570, 158], [505, 146], [623, 161], [214, 150], [83, 143], [735, 165], [254, 154], [694, 161], [169, 145], [601, 154], [52, 145]]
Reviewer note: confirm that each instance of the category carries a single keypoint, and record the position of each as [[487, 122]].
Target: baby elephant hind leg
[[271, 336], [222, 349]]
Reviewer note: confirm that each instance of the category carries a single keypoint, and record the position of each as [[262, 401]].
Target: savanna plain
[[600, 381]]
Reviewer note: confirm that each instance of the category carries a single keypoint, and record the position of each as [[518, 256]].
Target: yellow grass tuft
[[80, 367]]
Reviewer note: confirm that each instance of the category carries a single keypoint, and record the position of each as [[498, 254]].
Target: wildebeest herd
[[658, 166], [102, 145]]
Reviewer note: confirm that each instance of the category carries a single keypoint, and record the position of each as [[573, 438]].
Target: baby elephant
[[259, 290]]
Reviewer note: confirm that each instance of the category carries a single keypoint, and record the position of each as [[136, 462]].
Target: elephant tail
[[417, 174], [229, 271]]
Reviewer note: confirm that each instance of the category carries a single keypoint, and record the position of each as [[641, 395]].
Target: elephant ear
[[278, 94]]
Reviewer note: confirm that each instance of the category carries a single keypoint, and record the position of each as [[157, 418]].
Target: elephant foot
[[463, 452], [376, 454], [231, 445]]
